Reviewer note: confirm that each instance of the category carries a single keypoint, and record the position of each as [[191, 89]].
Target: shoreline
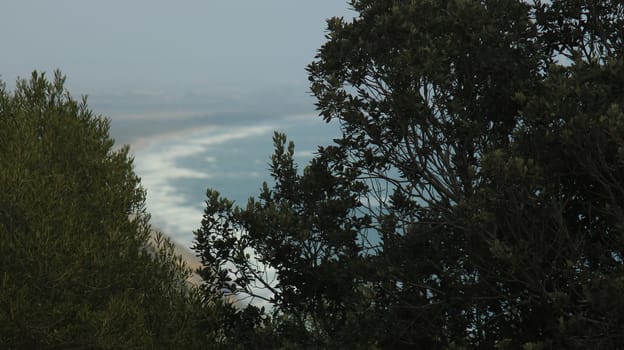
[[142, 143], [189, 258], [137, 146]]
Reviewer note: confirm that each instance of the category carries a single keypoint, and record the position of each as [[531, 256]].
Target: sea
[[179, 156], [183, 146]]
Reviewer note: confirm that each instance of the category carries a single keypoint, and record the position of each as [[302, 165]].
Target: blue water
[[234, 160]]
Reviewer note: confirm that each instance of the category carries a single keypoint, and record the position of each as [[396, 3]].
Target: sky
[[139, 51], [157, 46]]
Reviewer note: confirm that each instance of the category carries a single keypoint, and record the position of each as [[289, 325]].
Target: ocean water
[[177, 168]]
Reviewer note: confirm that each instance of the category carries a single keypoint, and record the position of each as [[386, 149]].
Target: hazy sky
[[164, 46]]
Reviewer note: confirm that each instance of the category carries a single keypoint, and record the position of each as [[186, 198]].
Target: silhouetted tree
[[474, 200]]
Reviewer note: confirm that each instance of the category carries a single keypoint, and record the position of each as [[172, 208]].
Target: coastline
[[189, 259], [185, 253], [140, 144]]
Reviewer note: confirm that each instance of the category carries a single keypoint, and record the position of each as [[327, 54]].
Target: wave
[[177, 167]]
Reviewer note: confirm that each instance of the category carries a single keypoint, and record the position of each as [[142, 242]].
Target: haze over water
[[196, 87]]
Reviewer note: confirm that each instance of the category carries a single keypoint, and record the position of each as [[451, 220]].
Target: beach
[[181, 158]]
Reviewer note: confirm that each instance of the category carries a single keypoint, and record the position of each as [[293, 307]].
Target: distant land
[[140, 114]]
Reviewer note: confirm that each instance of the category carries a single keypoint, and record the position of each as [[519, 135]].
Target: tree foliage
[[78, 269], [474, 200]]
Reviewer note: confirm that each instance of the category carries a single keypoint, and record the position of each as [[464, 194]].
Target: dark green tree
[[295, 248], [78, 267], [474, 200]]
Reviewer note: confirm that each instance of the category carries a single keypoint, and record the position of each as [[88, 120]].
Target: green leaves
[[78, 267], [297, 248], [475, 198]]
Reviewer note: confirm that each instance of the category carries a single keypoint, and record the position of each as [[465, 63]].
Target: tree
[[475, 198], [295, 249], [78, 267]]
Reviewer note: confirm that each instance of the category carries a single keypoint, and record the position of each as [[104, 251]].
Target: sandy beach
[[188, 257], [139, 144], [191, 261]]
